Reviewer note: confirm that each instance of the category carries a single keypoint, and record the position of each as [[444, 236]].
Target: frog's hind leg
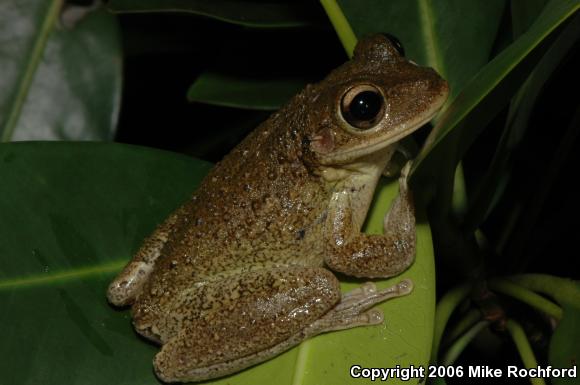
[[306, 303], [223, 326], [125, 287]]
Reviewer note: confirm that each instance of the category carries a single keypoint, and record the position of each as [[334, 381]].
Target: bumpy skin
[[238, 274]]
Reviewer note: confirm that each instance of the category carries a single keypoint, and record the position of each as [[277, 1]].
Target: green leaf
[[453, 36], [524, 348], [491, 186], [564, 291], [245, 12], [57, 83], [71, 214], [493, 87], [256, 93], [524, 13]]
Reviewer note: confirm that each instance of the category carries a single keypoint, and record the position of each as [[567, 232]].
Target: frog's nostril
[[421, 85]]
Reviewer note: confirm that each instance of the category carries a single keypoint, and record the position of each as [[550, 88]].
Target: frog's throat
[[367, 168]]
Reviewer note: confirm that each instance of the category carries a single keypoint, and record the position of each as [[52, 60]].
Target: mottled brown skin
[[239, 273]]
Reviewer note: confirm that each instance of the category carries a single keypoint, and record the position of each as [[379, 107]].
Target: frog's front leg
[[223, 326], [371, 256]]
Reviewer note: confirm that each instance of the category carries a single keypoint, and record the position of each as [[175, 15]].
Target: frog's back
[[259, 206]]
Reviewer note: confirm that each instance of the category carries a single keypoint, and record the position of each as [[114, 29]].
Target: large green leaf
[[492, 184], [57, 82], [495, 84], [71, 214], [524, 13], [249, 13], [243, 92], [453, 36]]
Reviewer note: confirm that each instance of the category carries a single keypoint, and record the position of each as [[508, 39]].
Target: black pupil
[[365, 106]]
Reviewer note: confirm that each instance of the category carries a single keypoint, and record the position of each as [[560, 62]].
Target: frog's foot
[[363, 290], [352, 310], [368, 293]]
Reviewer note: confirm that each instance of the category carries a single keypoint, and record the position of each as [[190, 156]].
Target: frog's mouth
[[349, 154]]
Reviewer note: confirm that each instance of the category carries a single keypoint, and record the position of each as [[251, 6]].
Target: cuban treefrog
[[242, 271]]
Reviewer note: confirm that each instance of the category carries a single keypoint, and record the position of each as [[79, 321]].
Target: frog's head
[[370, 102]]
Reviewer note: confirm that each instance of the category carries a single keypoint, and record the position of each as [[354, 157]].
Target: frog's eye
[[362, 106], [396, 43]]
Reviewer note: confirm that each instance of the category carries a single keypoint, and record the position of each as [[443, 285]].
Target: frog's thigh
[[236, 322]]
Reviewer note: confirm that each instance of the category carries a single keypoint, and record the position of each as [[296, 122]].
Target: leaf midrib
[[61, 276]]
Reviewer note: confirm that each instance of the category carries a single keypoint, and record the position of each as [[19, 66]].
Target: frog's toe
[[355, 295], [355, 308], [406, 169], [365, 297]]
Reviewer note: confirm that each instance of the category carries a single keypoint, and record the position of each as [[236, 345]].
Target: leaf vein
[[60, 276]]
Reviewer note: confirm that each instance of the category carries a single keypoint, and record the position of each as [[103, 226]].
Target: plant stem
[[445, 308], [562, 290], [524, 348], [341, 25], [459, 199], [466, 322], [527, 296], [458, 346]]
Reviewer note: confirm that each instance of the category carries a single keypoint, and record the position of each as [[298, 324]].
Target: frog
[[246, 268]]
